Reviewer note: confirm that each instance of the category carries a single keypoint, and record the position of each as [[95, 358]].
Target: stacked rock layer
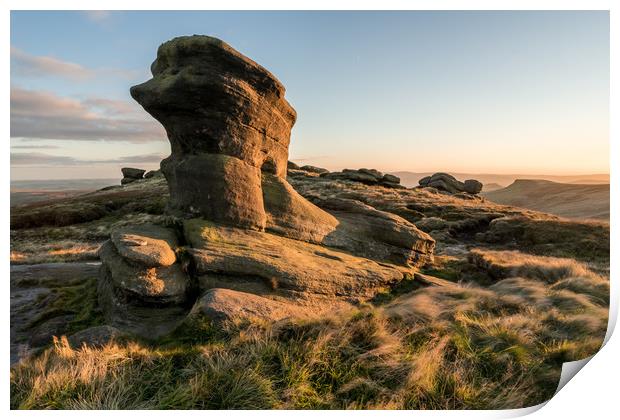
[[243, 241]]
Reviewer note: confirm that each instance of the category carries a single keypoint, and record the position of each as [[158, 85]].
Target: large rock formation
[[227, 121], [238, 223]]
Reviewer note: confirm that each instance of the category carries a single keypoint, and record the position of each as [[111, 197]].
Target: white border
[[592, 395]]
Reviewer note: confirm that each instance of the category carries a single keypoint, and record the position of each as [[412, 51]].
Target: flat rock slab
[[286, 264], [147, 245], [230, 305]]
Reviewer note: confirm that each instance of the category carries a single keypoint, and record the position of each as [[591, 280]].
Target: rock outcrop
[[278, 265], [314, 169], [131, 175], [447, 183], [366, 176], [228, 123], [222, 305], [244, 239], [151, 174], [140, 270]]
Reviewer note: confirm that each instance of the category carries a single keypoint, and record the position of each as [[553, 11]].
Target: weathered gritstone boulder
[[314, 169], [292, 165], [228, 123], [141, 282], [447, 183], [366, 176], [151, 174], [222, 305], [291, 215], [270, 264], [131, 174], [245, 229], [472, 186], [379, 235]]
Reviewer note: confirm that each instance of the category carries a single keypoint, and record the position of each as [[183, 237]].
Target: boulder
[[139, 315], [146, 245], [473, 186], [379, 235], [149, 285], [285, 266], [365, 176], [424, 181], [291, 215], [228, 124], [221, 305], [391, 178], [142, 287], [351, 175], [314, 169], [133, 173], [372, 172], [429, 224], [151, 174], [447, 183]]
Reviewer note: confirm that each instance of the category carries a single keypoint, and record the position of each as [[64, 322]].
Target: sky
[[477, 92]]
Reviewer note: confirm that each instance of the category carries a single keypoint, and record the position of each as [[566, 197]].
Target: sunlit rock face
[[226, 119]]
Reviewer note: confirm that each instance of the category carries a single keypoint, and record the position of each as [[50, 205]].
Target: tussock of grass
[[503, 264]]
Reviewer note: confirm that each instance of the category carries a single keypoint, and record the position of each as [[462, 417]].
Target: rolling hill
[[589, 201]]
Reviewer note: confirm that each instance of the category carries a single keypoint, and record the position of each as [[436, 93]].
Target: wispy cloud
[[24, 64], [34, 146], [31, 65], [37, 159], [44, 115]]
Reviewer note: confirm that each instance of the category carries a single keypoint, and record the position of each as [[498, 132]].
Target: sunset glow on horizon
[[471, 92]]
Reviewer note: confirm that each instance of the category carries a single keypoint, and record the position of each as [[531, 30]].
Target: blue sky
[[494, 92]]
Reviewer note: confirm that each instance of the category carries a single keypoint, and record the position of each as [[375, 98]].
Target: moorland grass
[[460, 347]]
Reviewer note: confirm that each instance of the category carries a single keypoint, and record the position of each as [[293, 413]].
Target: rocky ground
[[555, 262]]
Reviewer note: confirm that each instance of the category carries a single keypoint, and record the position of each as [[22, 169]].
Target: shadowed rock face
[[226, 119]]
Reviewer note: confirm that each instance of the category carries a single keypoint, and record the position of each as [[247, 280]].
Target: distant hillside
[[410, 179], [32, 191], [492, 186], [567, 200]]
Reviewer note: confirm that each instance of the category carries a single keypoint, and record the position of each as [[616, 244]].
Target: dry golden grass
[[59, 251], [440, 347], [502, 264]]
